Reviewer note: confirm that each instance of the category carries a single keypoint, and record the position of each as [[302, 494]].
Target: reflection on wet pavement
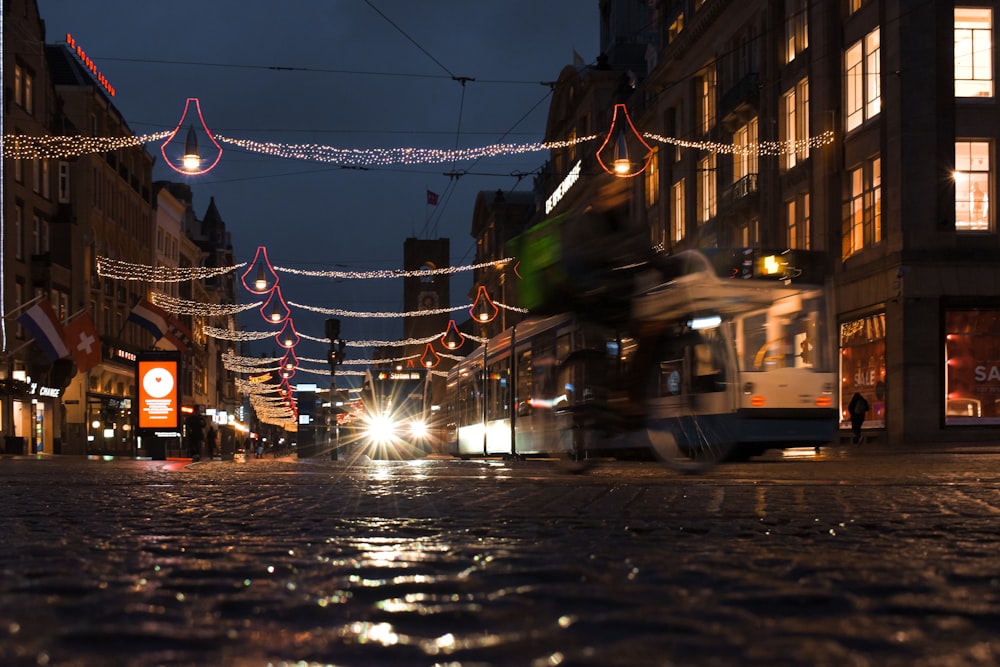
[[472, 563]]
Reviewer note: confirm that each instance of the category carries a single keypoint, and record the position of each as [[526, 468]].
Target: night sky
[[344, 73]]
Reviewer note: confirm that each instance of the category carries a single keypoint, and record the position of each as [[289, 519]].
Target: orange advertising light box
[[157, 376]]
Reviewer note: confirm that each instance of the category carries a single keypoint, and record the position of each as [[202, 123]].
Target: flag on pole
[[83, 342], [166, 328], [43, 324], [432, 198]]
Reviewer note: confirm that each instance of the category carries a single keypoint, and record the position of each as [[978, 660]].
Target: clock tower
[[430, 292]]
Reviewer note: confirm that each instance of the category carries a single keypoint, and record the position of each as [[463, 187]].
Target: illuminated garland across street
[[361, 313], [179, 306], [393, 273], [374, 157], [21, 147], [232, 334], [50, 147], [770, 148], [119, 270]]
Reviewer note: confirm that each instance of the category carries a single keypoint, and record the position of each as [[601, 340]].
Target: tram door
[[695, 374]]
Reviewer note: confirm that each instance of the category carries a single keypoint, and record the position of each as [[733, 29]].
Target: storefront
[[972, 366], [862, 367]]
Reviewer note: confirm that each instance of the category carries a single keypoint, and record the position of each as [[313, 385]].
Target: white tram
[[737, 349]]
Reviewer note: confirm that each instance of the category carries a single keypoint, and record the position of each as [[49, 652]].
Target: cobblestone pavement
[[848, 557]]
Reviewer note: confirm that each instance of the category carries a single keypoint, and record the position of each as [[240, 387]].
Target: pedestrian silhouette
[[858, 408]]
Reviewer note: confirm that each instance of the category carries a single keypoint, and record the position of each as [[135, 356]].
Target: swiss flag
[[432, 198], [83, 342]]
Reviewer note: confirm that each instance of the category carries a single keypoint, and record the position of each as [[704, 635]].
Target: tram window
[[524, 392], [754, 338], [498, 392], [709, 362]]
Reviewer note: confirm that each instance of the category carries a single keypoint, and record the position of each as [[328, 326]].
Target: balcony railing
[[740, 190]]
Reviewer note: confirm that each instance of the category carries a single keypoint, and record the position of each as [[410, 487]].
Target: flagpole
[[23, 306], [76, 314]]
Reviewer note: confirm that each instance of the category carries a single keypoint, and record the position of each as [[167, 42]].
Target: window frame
[[967, 224], [862, 80], [971, 36]]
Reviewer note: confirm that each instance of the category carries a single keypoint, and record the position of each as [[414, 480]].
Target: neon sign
[[571, 178], [89, 64]]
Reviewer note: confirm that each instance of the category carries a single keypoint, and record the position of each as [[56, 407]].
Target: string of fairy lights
[[27, 147]]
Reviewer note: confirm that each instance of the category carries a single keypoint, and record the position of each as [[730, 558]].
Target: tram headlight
[[418, 428], [380, 429]]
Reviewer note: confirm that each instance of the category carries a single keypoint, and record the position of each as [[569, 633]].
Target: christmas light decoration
[[232, 334], [289, 361], [763, 148], [483, 310], [275, 310], [452, 338], [179, 306], [191, 159], [516, 309], [617, 160], [287, 337], [262, 275], [430, 358], [391, 273], [377, 157], [24, 147], [120, 270], [374, 314]]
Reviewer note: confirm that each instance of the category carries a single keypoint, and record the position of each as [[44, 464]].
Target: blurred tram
[[741, 352], [394, 415]]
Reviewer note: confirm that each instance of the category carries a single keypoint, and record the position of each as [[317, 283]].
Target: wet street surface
[[848, 557]]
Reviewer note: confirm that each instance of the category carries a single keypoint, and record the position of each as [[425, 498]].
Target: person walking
[[858, 408]]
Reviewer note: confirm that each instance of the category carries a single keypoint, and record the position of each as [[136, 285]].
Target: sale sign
[[158, 396]]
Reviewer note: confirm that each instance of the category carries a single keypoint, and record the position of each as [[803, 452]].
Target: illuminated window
[[796, 28], [862, 226], [675, 28], [795, 127], [854, 5], [18, 85], [798, 222], [706, 188], [972, 186], [973, 52], [706, 99], [745, 153], [677, 221], [862, 85], [29, 94], [652, 178]]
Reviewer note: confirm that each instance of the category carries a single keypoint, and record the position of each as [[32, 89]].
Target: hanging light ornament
[[289, 361], [483, 310], [275, 310], [191, 161], [288, 336], [261, 274], [430, 358], [452, 338], [617, 155]]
